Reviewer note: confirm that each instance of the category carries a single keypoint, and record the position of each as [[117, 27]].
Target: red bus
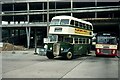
[[106, 44]]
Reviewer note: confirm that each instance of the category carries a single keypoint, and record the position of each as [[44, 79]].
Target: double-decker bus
[[106, 44], [68, 36]]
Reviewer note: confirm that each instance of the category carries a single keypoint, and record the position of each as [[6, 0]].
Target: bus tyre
[[97, 55], [50, 55], [69, 55]]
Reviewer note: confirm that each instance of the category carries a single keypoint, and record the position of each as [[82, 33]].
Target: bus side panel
[[77, 49], [81, 49]]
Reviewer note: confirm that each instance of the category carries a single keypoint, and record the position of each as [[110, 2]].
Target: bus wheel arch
[[88, 52], [50, 55]]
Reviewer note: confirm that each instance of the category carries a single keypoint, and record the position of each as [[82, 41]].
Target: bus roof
[[71, 18]]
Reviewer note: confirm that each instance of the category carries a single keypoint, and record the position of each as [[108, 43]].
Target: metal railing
[[44, 24], [65, 10]]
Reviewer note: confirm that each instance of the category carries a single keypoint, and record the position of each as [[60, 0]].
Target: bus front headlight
[[113, 51], [98, 50], [50, 48], [62, 49]]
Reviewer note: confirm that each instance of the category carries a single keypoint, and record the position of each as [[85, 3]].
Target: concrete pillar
[[119, 39], [47, 17], [0, 33], [71, 7], [15, 32], [9, 31], [0, 30], [28, 8], [55, 8], [35, 40], [119, 54], [18, 34], [43, 11], [0, 50], [0, 22], [95, 6], [28, 31], [13, 13]]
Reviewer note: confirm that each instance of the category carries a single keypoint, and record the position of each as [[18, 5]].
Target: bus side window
[[76, 24], [72, 22], [87, 41], [76, 40], [84, 41], [80, 40], [60, 38]]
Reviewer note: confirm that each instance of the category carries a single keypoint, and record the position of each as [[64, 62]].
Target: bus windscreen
[[64, 21], [106, 40], [55, 22]]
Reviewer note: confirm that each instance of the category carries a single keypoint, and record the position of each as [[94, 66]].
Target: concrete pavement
[[34, 66]]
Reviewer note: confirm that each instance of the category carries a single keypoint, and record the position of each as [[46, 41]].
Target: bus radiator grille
[[106, 51]]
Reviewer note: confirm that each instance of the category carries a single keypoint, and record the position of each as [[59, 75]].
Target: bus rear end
[[106, 45]]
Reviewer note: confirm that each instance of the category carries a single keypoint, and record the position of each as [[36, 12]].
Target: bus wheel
[[50, 55], [69, 55], [97, 55]]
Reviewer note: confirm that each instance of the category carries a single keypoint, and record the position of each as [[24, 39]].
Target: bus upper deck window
[[76, 24], [64, 21], [83, 26], [80, 25], [90, 27], [55, 22], [72, 22], [86, 26]]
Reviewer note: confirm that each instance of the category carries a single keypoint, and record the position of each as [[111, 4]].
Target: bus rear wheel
[[69, 55], [50, 55]]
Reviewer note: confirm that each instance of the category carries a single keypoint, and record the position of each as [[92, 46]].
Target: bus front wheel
[[69, 55], [50, 55]]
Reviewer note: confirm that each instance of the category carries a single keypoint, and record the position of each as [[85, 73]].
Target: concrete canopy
[[9, 1]]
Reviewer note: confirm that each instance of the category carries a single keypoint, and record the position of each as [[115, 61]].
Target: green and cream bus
[[68, 36]]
